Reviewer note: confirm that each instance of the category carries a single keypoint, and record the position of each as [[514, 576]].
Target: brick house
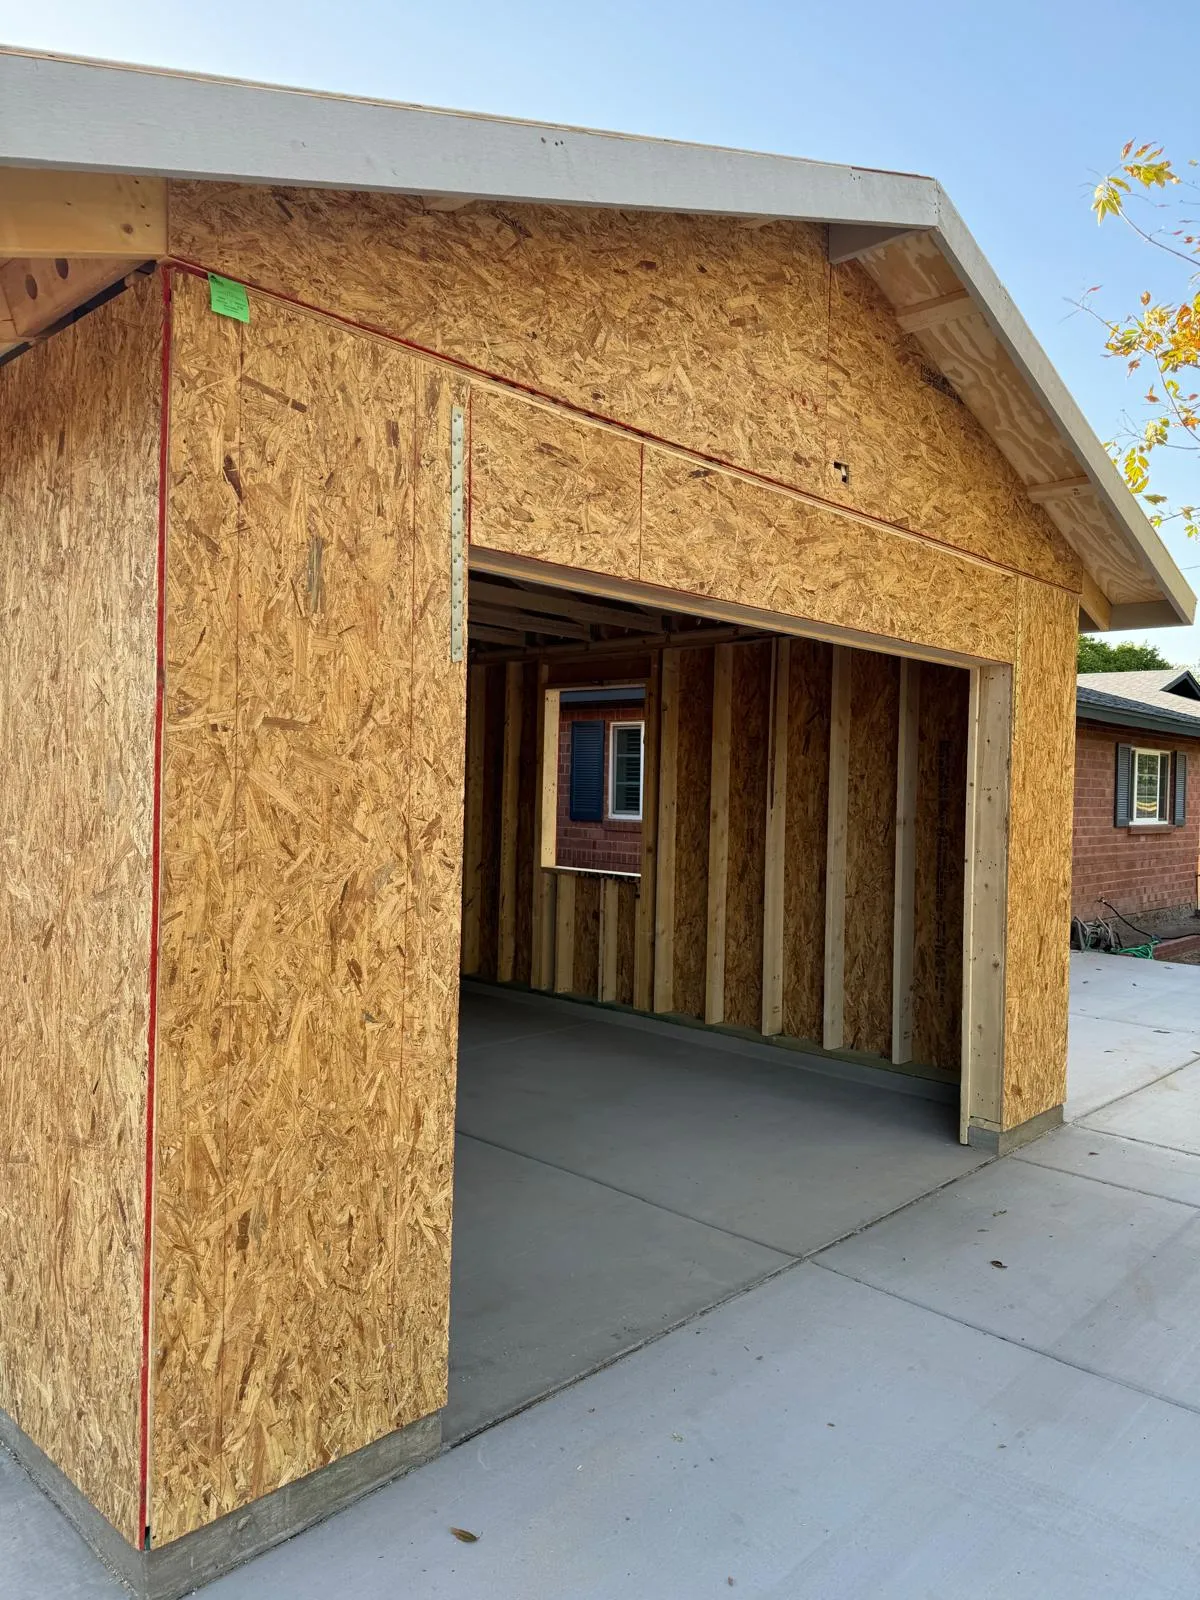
[[600, 738], [1136, 838]]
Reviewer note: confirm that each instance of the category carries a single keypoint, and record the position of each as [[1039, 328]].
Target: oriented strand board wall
[[1039, 856], [577, 485], [738, 342], [79, 417], [713, 532], [917, 456], [308, 989]]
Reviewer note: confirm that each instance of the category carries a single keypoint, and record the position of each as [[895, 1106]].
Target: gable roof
[[1167, 699], [68, 114]]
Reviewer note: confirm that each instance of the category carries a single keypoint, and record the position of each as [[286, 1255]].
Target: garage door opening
[[712, 958]]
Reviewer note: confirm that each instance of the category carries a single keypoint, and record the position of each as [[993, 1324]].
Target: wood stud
[[835, 852], [989, 738], [718, 836], [643, 952], [904, 901], [544, 827], [473, 819], [513, 692], [776, 833], [664, 896], [606, 986]]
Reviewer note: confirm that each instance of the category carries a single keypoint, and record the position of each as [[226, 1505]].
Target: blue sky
[[1017, 108]]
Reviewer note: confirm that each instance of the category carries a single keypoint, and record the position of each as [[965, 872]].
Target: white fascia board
[[83, 115], [957, 245]]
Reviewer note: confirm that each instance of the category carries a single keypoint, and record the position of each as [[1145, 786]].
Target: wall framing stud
[[458, 534], [834, 1024], [904, 904]]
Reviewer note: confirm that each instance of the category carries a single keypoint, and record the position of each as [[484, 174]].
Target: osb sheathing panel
[[916, 455], [804, 847], [78, 598], [871, 851], [1039, 856], [714, 533], [938, 887], [694, 329], [748, 757], [692, 787], [739, 342], [432, 930], [545, 485], [311, 870], [189, 1482]]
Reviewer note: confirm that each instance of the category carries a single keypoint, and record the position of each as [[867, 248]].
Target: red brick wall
[[608, 846], [1138, 870]]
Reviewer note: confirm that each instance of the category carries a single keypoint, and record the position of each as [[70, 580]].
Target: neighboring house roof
[[57, 112], [1167, 700]]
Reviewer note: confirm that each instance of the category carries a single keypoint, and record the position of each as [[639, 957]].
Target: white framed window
[[625, 743], [1151, 786]]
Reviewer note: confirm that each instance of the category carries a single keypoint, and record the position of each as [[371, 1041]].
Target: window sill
[[1150, 827]]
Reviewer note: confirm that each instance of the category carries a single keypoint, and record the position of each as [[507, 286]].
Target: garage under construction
[[622, 594]]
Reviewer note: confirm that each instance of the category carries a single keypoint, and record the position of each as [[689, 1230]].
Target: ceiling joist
[[540, 603], [516, 617]]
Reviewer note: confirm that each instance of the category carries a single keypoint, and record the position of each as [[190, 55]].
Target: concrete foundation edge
[[197, 1558], [1001, 1141]]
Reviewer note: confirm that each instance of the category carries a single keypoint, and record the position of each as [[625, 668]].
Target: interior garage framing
[[803, 838]]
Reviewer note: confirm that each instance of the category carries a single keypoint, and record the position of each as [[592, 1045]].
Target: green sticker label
[[228, 299]]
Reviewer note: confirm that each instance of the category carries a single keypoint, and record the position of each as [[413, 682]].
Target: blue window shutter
[[587, 772], [1180, 808], [1123, 806]]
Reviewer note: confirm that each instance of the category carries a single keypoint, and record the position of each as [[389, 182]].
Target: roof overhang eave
[[1178, 603], [95, 116]]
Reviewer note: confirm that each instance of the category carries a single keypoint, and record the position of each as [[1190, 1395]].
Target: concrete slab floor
[[554, 1275], [612, 1182], [769, 1151]]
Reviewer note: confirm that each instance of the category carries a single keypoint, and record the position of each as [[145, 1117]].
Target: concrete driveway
[[994, 1392]]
